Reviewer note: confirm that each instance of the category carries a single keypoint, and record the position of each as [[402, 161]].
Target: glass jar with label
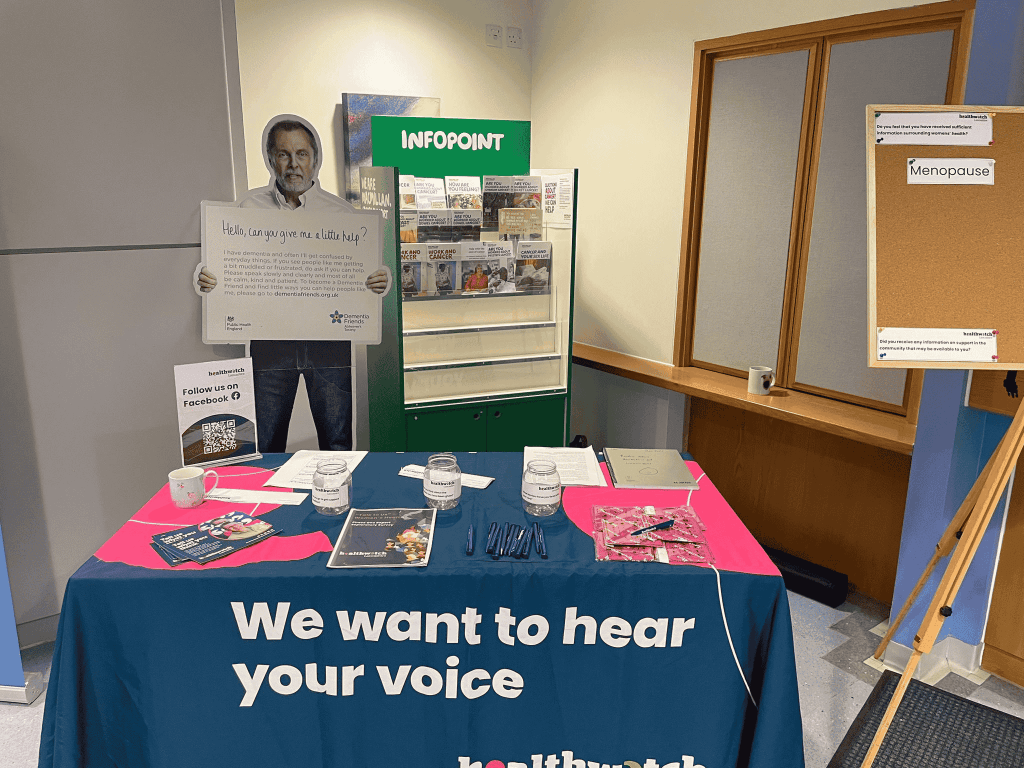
[[332, 487], [442, 481], [542, 488]]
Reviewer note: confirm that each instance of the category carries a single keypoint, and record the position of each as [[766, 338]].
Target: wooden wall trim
[[882, 430]]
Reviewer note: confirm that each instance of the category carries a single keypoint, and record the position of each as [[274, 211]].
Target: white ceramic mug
[[188, 486], [760, 379]]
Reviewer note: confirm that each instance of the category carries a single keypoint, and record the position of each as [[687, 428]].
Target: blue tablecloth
[[151, 667]]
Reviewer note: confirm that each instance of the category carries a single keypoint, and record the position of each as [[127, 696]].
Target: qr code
[[219, 436]]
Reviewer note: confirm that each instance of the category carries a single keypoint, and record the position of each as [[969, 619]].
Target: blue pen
[[512, 533], [502, 539], [517, 548], [524, 551], [542, 547], [658, 527], [469, 541], [492, 535]]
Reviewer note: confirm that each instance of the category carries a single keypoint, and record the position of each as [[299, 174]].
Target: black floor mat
[[932, 729]]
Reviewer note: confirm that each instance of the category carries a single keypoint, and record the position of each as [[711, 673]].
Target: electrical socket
[[493, 35], [514, 37]]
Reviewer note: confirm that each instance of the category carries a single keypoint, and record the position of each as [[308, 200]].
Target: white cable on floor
[[725, 621]]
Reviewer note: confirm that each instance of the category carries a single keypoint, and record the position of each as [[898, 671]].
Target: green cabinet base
[[496, 425]]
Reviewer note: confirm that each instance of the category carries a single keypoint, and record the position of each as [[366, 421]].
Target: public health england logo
[[569, 760]]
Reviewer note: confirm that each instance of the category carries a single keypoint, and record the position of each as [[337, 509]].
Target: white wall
[[611, 90], [115, 124], [618, 412], [300, 57]]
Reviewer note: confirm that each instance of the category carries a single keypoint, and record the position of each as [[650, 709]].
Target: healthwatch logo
[[569, 760]]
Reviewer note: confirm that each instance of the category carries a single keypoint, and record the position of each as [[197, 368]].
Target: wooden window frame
[[817, 38]]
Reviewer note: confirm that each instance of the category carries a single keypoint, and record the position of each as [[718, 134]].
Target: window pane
[[910, 69], [753, 142]]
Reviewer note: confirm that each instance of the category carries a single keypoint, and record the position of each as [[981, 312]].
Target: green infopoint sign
[[435, 147]]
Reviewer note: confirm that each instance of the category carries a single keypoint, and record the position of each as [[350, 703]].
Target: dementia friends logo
[[569, 760]]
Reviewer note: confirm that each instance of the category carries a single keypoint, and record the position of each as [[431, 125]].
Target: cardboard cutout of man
[[293, 156]]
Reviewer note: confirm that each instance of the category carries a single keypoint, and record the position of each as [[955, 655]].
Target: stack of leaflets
[[464, 192], [407, 192], [533, 267], [384, 538], [211, 540], [673, 535], [429, 193], [414, 264], [434, 225], [519, 224]]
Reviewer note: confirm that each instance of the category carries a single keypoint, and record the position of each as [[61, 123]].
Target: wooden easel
[[961, 538]]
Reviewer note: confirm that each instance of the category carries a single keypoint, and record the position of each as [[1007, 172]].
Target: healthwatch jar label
[[441, 486], [330, 497], [535, 493]]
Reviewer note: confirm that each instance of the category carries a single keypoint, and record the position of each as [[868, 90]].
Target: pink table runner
[[735, 549], [131, 544]]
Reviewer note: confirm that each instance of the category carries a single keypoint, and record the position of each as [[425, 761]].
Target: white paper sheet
[[576, 466], [468, 480], [240, 496], [298, 471], [947, 345], [951, 129]]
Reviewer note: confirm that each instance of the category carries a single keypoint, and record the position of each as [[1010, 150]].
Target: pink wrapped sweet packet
[[683, 543]]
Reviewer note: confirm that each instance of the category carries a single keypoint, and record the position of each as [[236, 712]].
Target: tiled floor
[[831, 646]]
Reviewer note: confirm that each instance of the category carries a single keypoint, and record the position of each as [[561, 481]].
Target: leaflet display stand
[[945, 257], [482, 369]]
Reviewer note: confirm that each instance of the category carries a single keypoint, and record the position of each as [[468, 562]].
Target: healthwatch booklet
[[383, 538]]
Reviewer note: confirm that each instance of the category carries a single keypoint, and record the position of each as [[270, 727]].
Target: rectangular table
[[606, 663]]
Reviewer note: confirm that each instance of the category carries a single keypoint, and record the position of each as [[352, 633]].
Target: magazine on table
[[213, 539], [376, 538]]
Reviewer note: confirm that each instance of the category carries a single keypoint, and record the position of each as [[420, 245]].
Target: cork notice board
[[946, 256]]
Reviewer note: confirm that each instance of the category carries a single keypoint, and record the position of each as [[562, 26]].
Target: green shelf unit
[[474, 373]]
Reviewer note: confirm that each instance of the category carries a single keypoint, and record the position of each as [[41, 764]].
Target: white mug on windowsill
[[760, 380], [188, 486]]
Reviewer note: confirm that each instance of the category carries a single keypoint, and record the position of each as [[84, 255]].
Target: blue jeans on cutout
[[326, 367]]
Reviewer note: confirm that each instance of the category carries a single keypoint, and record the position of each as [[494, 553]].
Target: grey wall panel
[[89, 424], [614, 411], [753, 141], [910, 69], [114, 124]]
